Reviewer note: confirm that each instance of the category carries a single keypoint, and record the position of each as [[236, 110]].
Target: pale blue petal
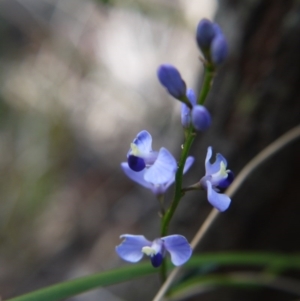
[[131, 248], [207, 163], [188, 163], [144, 141], [135, 176], [191, 96], [215, 167], [219, 200], [185, 115], [163, 170], [178, 247]]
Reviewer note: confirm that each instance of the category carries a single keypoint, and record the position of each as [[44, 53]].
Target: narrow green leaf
[[77, 286], [269, 260], [245, 280], [74, 287]]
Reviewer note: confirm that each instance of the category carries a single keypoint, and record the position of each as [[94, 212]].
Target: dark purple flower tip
[[225, 183], [136, 163], [205, 34], [171, 79], [201, 118], [157, 260], [219, 49]]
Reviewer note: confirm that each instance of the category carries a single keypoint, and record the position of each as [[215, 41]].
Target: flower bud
[[171, 79], [205, 34], [185, 110], [201, 118], [219, 49]]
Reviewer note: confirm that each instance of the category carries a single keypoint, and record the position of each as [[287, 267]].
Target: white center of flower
[[149, 251]]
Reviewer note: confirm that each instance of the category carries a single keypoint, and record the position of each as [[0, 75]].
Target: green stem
[[161, 200], [190, 135], [178, 182], [163, 271], [207, 82]]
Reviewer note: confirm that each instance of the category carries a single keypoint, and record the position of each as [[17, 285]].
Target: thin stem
[[208, 77], [178, 182], [178, 195], [189, 138], [163, 271], [265, 154], [161, 200]]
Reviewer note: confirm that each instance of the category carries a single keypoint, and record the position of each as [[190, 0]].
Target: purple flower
[[185, 110], [217, 178], [205, 33], [198, 115], [201, 118], [212, 41], [219, 49], [159, 176], [134, 247], [141, 154], [171, 79]]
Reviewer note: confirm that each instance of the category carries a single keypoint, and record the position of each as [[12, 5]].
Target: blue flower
[[159, 176], [205, 33], [217, 178], [219, 49], [201, 118], [141, 154], [185, 110], [198, 115], [212, 41], [171, 79], [134, 247]]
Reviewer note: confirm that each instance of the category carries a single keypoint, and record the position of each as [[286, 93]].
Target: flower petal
[[225, 183], [157, 260], [188, 163], [191, 96], [135, 176], [219, 200], [185, 115], [131, 248], [143, 141], [136, 163], [178, 247], [163, 170], [215, 167]]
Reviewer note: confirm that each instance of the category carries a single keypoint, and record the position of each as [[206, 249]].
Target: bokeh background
[[78, 82]]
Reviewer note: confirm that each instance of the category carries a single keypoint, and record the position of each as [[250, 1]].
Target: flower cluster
[[212, 42], [156, 170], [171, 79]]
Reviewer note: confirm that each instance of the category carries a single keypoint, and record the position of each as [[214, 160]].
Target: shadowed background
[[78, 82]]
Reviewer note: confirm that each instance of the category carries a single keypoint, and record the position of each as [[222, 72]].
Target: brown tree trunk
[[255, 99]]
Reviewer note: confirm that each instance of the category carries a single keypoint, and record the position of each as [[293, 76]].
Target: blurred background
[[78, 82]]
